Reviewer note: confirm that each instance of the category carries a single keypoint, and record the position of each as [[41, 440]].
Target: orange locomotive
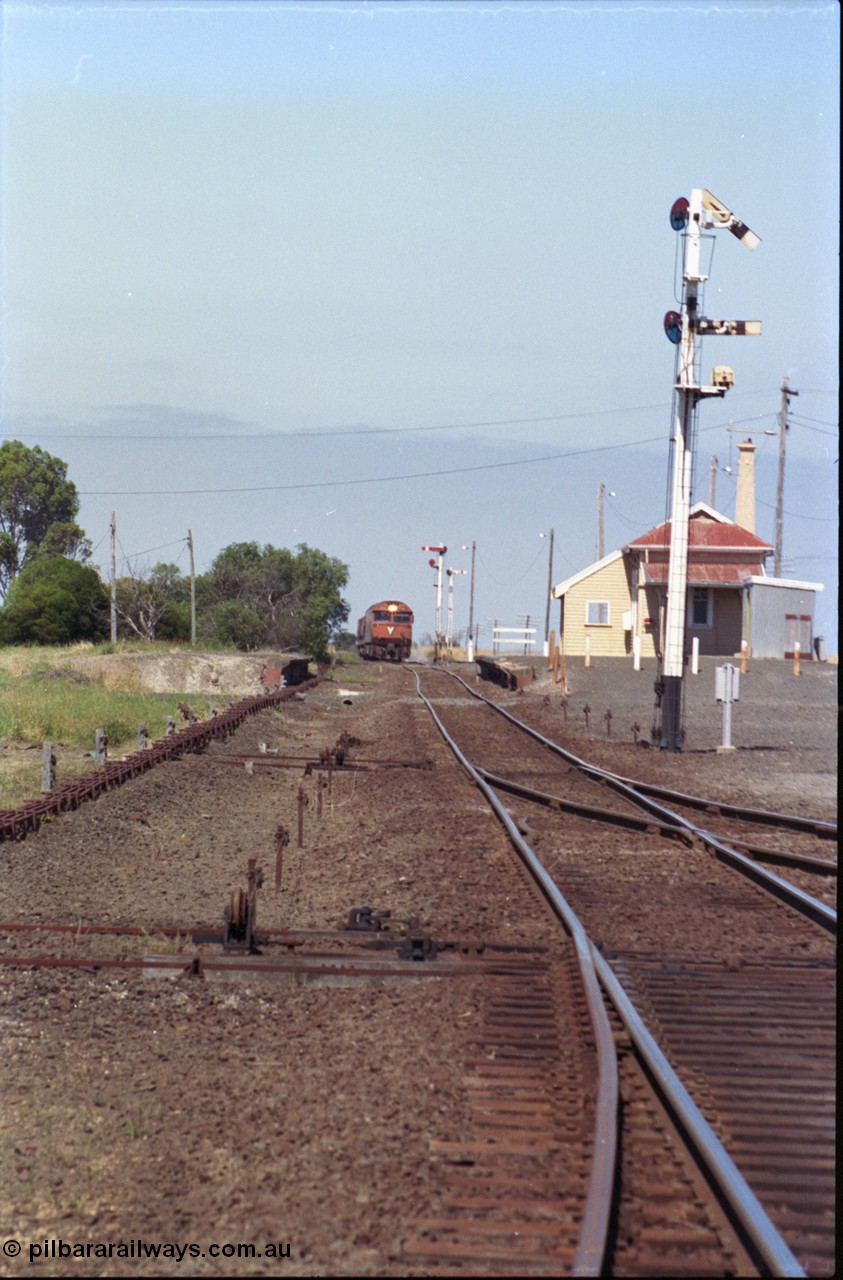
[[386, 631]]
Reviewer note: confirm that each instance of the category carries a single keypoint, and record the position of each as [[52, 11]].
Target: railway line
[[619, 1057], [722, 1012]]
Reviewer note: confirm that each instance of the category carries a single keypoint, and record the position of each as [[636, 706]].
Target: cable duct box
[[722, 376]]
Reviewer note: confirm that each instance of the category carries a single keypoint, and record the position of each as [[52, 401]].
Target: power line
[[799, 421], [178, 543]]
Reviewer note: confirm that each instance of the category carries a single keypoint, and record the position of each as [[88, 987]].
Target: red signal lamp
[[679, 213]]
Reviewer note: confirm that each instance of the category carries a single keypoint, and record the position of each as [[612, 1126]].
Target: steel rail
[[810, 906], [772, 1249], [806, 860], [582, 810], [594, 1230], [15, 824], [770, 1246], [322, 966], [816, 826]]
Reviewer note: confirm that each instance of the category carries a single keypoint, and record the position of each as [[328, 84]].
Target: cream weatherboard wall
[[598, 607]]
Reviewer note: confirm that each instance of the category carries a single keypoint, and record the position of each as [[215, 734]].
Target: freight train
[[386, 631]]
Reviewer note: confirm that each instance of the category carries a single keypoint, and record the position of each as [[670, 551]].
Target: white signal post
[[449, 635], [440, 550], [683, 330]]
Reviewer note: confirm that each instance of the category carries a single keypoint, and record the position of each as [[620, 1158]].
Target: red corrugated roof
[[701, 573], [706, 534]]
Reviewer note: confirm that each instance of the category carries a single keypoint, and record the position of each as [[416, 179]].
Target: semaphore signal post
[[703, 212], [440, 550]]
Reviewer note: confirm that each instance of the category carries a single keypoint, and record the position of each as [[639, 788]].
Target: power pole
[[783, 428], [113, 577], [549, 593], [683, 330], [712, 476], [192, 589], [601, 489]]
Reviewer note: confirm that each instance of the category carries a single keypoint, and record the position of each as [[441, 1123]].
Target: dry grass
[[44, 697]]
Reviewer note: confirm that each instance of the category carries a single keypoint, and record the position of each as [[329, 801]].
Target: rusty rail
[[717, 1164], [812, 907], [594, 1229], [16, 824]]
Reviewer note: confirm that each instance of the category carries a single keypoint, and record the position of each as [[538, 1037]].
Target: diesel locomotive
[[385, 631]]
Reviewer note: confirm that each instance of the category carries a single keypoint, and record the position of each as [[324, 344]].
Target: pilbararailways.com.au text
[[141, 1249]]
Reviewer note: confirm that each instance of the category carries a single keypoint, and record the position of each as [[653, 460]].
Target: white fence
[[518, 637]]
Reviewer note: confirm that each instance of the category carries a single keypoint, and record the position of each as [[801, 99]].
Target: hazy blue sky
[[369, 276]]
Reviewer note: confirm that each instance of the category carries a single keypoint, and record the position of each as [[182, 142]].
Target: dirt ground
[[269, 1113], [272, 1113], [783, 729]]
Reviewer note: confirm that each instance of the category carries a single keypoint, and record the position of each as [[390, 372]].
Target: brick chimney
[[745, 505]]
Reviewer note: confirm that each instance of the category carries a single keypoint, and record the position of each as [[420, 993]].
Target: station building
[[619, 603]]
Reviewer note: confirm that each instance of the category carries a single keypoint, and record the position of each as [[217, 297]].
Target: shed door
[[797, 626]]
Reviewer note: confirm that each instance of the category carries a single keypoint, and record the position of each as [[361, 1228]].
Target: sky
[[375, 276]]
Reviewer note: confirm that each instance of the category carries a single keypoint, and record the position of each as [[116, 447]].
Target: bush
[[54, 601], [236, 623]]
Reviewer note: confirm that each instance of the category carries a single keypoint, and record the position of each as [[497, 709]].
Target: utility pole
[[549, 592], [192, 589], [113, 577], [783, 428], [689, 217], [712, 477]]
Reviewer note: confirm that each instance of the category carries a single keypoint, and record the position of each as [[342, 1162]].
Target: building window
[[597, 613], [699, 607]]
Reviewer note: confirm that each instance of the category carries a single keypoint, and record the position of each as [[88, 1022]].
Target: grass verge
[[43, 699]]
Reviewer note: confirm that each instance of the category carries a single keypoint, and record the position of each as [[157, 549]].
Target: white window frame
[[600, 605], [709, 609]]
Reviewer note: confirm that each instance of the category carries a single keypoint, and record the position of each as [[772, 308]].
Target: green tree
[[288, 600], [38, 507], [54, 600], [319, 579], [237, 624], [65, 538]]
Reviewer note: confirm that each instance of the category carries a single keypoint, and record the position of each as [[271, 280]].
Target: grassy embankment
[[43, 699]]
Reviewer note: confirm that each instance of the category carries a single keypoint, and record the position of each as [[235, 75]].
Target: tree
[[149, 605], [239, 625], [38, 506], [287, 600], [319, 579], [65, 538], [54, 600]]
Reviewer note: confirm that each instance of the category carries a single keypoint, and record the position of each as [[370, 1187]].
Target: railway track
[[582, 1122], [736, 983]]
